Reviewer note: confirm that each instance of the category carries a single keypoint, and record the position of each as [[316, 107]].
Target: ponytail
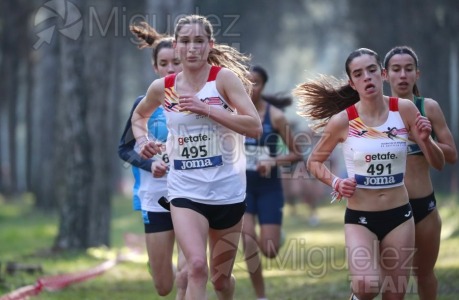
[[149, 37], [228, 57], [146, 34], [320, 99]]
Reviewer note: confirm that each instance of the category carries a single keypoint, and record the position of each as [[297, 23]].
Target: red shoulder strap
[[352, 113], [393, 104], [169, 80], [213, 73]]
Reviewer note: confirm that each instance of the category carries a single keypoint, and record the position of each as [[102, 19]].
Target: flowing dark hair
[[321, 98]]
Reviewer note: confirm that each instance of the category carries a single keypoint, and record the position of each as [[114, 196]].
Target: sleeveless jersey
[[207, 161], [376, 156], [265, 146], [413, 148], [147, 189]]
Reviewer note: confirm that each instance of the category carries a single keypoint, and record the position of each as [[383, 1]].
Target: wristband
[[143, 140], [335, 180], [336, 195], [208, 113]]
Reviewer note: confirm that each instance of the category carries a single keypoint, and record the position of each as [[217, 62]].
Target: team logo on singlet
[[391, 132], [359, 130], [218, 102], [171, 101]]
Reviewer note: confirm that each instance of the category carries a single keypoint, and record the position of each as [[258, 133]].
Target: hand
[[159, 168], [264, 166], [193, 104], [149, 148], [423, 127], [345, 187]]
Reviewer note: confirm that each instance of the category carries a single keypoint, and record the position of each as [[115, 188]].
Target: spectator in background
[[264, 195]]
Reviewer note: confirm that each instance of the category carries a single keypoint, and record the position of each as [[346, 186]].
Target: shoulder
[[228, 83], [156, 87], [338, 125], [225, 75], [406, 105], [431, 106], [277, 116], [340, 120], [276, 113], [158, 83]]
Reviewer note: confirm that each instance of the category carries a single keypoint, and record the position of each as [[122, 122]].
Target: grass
[[311, 264]]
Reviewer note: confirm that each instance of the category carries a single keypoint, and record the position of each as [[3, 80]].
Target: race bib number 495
[[379, 170], [198, 151]]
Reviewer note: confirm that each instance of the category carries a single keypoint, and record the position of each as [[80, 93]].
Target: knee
[[269, 248], [197, 268], [365, 287], [163, 288], [223, 283], [249, 241]]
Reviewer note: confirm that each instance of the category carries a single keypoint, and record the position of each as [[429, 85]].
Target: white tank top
[[376, 156], [207, 161]]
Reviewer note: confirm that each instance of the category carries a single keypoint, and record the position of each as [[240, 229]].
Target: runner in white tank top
[[206, 178], [376, 156], [201, 149]]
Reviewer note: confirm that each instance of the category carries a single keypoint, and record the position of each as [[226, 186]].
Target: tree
[[41, 119], [13, 49], [86, 113]]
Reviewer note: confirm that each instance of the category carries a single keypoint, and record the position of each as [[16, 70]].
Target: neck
[[409, 96], [196, 78], [373, 107]]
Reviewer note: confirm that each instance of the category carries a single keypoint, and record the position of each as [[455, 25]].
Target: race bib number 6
[[198, 151], [164, 157], [379, 170]]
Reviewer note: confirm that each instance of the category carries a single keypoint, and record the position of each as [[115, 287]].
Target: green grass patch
[[311, 264]]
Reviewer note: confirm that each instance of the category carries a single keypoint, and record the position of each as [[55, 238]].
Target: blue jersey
[[264, 147], [147, 189]]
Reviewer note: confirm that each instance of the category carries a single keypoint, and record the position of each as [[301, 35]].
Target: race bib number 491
[[198, 151], [379, 170]]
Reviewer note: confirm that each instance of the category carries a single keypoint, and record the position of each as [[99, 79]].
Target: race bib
[[198, 151], [254, 154], [164, 157], [379, 170]]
